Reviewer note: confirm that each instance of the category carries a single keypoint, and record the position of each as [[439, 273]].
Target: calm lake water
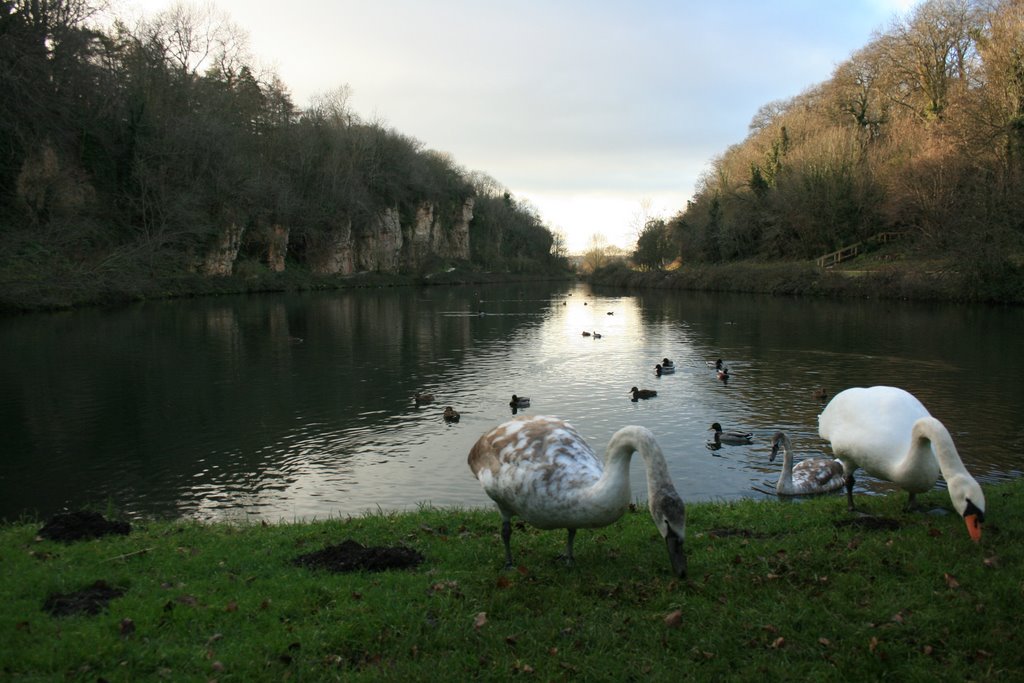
[[286, 407]]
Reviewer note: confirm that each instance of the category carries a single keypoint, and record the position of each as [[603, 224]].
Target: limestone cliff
[[384, 243]]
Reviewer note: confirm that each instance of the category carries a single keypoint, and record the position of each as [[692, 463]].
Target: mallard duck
[[597, 335], [451, 415], [716, 364], [423, 399], [666, 363], [586, 334], [733, 437], [892, 436], [541, 470], [820, 394], [808, 477], [642, 393], [662, 369], [519, 402], [723, 374]]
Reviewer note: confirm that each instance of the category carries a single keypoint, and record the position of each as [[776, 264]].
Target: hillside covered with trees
[[134, 155], [918, 136]]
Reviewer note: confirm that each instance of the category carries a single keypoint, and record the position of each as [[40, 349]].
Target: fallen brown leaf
[[127, 627], [951, 581], [778, 642], [674, 619], [873, 645], [824, 641], [480, 620]]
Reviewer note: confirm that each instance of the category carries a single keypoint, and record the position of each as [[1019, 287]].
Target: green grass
[[776, 590]]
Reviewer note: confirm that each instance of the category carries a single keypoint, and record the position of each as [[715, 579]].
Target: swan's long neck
[[786, 476], [931, 451], [613, 487], [931, 436]]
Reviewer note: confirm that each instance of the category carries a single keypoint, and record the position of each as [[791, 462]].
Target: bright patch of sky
[[596, 112]]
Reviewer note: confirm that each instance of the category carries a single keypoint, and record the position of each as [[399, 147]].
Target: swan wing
[[871, 427], [818, 475], [538, 468]]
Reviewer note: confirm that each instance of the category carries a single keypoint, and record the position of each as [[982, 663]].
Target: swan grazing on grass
[[892, 436], [541, 469], [815, 475]]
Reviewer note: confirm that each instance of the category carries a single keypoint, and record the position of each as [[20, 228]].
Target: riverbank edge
[[772, 586], [33, 296], [935, 283]]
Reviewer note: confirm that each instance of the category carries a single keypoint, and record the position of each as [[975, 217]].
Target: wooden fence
[[848, 252]]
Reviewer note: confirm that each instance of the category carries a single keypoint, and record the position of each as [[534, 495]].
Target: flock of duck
[[540, 469]]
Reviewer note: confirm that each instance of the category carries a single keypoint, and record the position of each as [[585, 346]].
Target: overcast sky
[[591, 110]]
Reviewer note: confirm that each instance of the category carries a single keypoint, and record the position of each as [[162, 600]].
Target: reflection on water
[[301, 406]]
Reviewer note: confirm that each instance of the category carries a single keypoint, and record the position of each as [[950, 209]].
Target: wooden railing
[[848, 252]]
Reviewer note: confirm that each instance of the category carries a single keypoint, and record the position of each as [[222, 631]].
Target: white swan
[[891, 435], [811, 476], [542, 470]]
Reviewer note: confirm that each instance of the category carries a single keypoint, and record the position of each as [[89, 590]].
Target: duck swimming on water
[[731, 436], [541, 470], [642, 393]]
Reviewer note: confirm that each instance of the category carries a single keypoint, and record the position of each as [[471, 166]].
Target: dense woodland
[[920, 134], [127, 151]]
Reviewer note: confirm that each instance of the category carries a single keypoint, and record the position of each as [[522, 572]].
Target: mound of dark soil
[[91, 600], [75, 526], [350, 556]]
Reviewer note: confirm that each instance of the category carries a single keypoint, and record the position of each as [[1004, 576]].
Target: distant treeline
[[136, 150], [919, 133]]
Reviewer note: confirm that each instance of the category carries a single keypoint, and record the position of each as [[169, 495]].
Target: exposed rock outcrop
[[384, 243], [277, 247], [219, 260], [47, 187]]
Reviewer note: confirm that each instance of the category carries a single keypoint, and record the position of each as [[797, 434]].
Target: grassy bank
[[863, 278], [777, 590]]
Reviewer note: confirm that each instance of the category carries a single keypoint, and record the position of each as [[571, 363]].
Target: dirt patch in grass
[[75, 526], [351, 556], [91, 600]]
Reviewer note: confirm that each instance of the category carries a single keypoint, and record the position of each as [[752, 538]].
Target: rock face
[[277, 247], [386, 244], [49, 187], [219, 260]]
